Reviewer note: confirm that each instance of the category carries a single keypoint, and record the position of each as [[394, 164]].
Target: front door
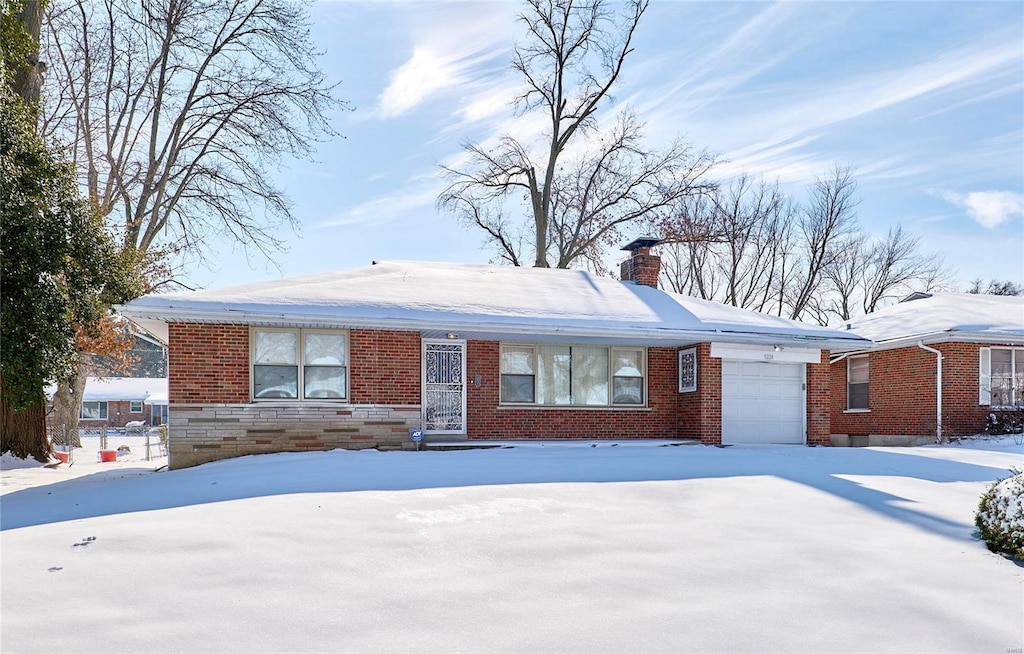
[[444, 387]]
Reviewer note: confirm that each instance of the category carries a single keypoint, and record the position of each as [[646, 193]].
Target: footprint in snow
[[85, 541], [54, 569]]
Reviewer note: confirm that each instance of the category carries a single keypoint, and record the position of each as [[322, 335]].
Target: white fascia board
[[639, 335], [775, 353]]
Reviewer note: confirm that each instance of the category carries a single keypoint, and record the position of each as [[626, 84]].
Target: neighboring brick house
[[113, 402], [357, 358], [890, 394]]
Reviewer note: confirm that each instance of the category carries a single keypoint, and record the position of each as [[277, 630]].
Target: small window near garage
[[857, 372], [688, 370], [291, 364], [135, 406], [94, 411]]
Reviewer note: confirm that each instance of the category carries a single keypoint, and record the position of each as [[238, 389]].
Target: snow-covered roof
[[114, 389], [943, 317], [482, 301]]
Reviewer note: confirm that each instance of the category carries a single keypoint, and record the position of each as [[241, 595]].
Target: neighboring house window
[[572, 375], [94, 410], [857, 382], [688, 370], [299, 364], [135, 406], [1001, 379]]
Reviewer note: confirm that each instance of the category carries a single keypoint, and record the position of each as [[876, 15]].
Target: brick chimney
[[641, 267]]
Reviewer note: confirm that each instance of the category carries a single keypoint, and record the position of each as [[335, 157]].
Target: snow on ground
[[584, 549]]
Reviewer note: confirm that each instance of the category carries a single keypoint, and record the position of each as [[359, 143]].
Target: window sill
[[857, 411], [568, 407]]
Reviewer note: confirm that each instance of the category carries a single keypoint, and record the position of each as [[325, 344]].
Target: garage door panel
[[762, 402]]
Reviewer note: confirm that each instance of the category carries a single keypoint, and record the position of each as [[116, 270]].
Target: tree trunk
[[28, 79], [23, 433], [67, 406]]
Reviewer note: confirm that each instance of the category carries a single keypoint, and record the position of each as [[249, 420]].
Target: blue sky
[[925, 99]]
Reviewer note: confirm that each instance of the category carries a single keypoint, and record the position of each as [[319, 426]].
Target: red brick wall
[[487, 420], [384, 367], [700, 412], [208, 364], [902, 392], [118, 413], [819, 401]]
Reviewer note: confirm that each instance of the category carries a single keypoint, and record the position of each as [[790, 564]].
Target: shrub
[[1000, 517]]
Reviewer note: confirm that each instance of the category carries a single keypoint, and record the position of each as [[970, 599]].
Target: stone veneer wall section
[[901, 392], [488, 420], [200, 433]]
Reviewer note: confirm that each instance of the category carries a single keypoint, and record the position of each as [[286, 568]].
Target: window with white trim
[[135, 406], [1001, 378], [572, 375], [293, 364], [857, 376], [94, 411]]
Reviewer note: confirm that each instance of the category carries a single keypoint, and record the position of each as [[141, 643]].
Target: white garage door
[[762, 402]]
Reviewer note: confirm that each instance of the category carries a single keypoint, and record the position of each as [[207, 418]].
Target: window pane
[[324, 349], [627, 390], [517, 388], [1001, 391], [628, 363], [553, 374], [517, 360], [589, 375], [136, 407], [276, 348], [275, 381], [858, 396], [858, 370], [324, 382], [94, 410]]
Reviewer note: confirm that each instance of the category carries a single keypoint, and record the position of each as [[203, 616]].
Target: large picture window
[[94, 410], [572, 375], [294, 364], [857, 372], [1002, 376]]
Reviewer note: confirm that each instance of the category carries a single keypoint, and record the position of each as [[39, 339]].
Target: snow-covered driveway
[[586, 549]]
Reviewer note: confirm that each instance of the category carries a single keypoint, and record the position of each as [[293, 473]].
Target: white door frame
[[423, 384]]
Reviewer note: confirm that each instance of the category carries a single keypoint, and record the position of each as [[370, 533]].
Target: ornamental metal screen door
[[444, 387]]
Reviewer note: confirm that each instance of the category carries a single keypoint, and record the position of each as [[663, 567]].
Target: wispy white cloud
[[449, 52], [416, 195], [990, 209]]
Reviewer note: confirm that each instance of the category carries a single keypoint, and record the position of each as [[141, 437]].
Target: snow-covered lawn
[[556, 548]]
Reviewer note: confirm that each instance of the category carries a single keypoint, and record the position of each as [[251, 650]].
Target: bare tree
[[828, 219], [748, 245], [571, 58], [177, 110], [734, 244], [996, 287]]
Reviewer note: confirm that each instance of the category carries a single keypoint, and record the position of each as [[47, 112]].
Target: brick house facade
[[902, 395], [471, 353], [212, 416]]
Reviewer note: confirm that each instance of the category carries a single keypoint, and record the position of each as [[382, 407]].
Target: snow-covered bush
[[1000, 516]]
